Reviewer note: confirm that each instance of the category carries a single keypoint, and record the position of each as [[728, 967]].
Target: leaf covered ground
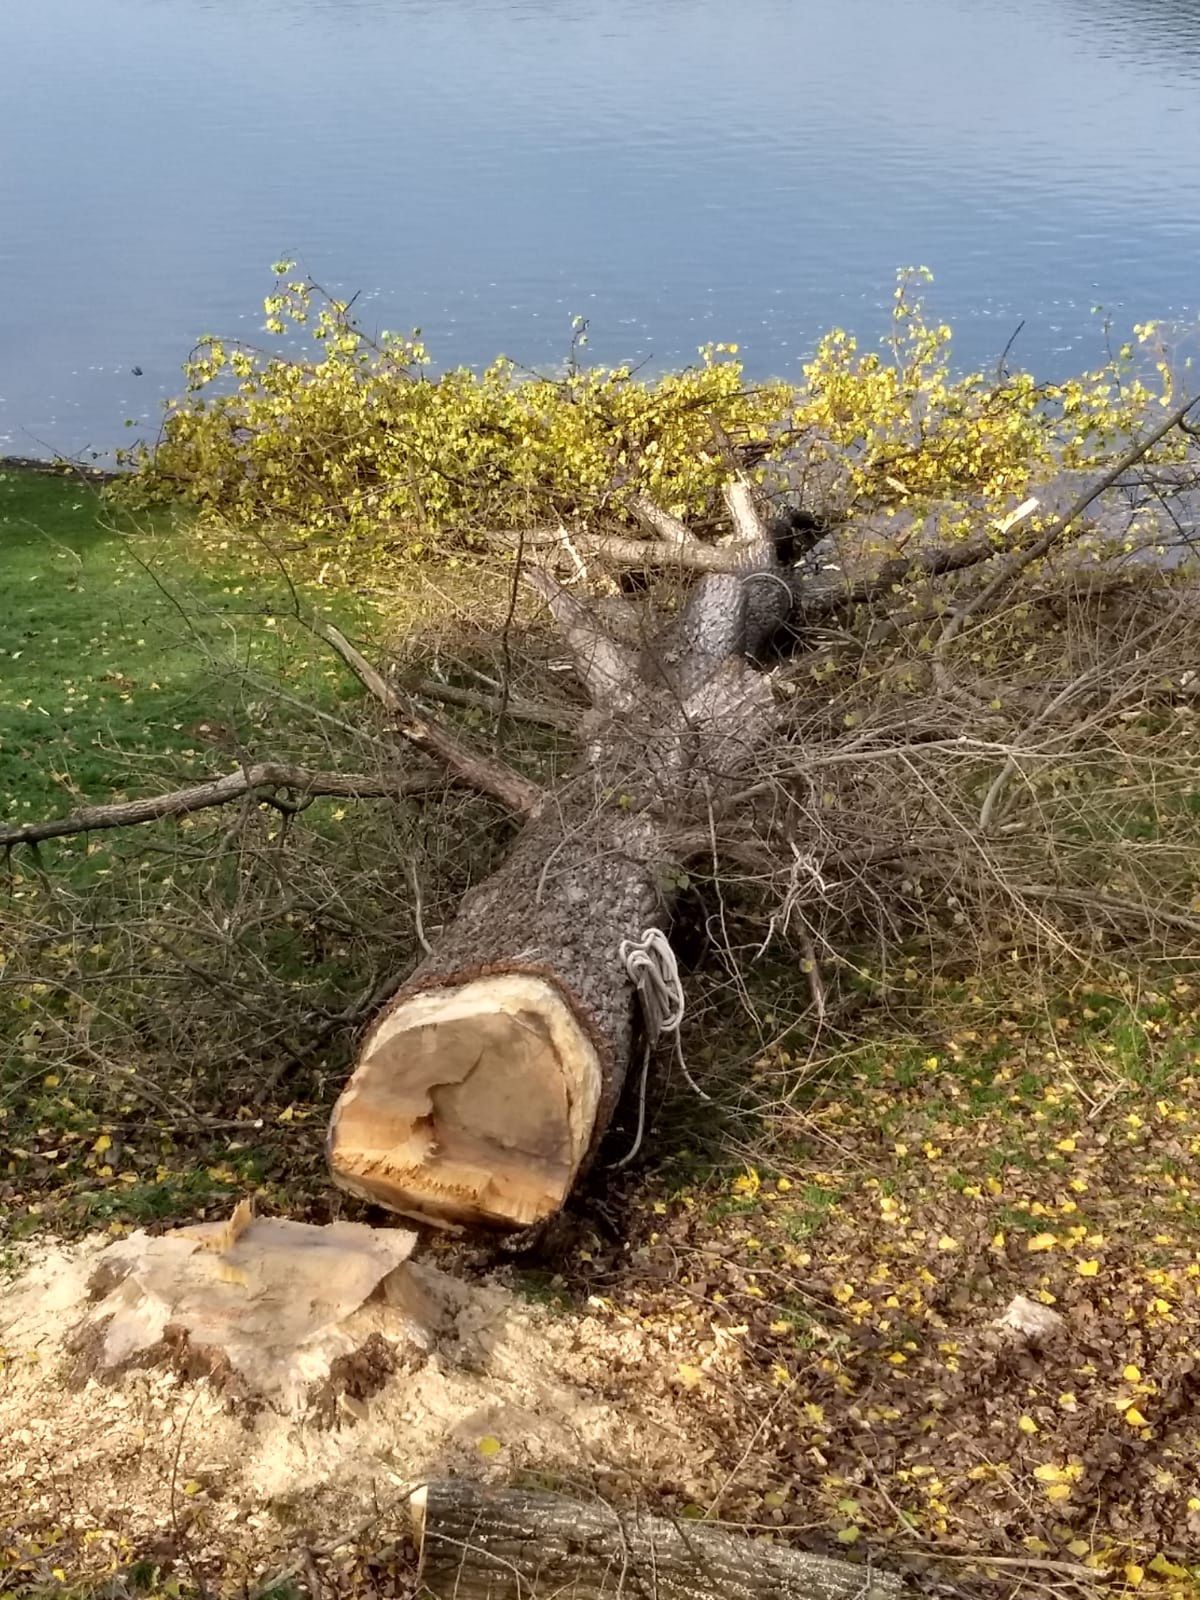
[[1020, 1146], [824, 1259]]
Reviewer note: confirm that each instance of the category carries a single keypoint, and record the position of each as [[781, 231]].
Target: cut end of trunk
[[469, 1105]]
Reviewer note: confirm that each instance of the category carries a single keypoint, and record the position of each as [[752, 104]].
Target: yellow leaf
[[1058, 1491], [1066, 1145], [102, 1144], [849, 1535], [1042, 1241], [489, 1445], [1135, 1419], [1167, 1569], [1027, 1425], [1132, 1374], [1049, 1473], [947, 1243], [1134, 1574], [689, 1376], [1088, 1269], [191, 1487], [51, 1080]]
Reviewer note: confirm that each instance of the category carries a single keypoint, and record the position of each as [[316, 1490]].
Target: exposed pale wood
[[263, 779], [479, 1543], [750, 530], [471, 1104], [267, 1303], [524, 994]]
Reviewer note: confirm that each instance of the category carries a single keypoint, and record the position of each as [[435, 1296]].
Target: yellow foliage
[[369, 457]]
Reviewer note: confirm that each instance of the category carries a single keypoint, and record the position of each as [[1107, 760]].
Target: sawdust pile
[[481, 1382]]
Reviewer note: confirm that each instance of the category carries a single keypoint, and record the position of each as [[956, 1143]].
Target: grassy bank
[[124, 658], [129, 667]]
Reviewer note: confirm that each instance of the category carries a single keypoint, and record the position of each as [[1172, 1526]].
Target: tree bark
[[484, 1088], [478, 1090], [492, 1544]]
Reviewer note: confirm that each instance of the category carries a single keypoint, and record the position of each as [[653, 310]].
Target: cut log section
[[513, 1544], [471, 1103], [480, 1092]]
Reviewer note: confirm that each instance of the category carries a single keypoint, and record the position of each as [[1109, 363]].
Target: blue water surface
[[675, 170]]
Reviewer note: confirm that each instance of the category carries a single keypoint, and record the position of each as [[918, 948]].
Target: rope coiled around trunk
[[654, 972]]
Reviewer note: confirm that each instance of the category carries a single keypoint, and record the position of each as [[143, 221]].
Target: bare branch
[[1022, 559], [609, 670], [634, 555], [669, 529], [817, 599], [262, 779], [469, 766], [539, 712]]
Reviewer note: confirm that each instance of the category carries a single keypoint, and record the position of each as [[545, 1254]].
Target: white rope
[[654, 972]]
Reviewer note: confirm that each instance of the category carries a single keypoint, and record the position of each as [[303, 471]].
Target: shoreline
[[58, 467]]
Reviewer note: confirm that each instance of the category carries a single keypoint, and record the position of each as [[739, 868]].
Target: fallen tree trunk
[[488, 1544], [484, 1088], [478, 1091]]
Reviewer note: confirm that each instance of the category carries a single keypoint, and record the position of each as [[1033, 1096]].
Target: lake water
[[676, 170]]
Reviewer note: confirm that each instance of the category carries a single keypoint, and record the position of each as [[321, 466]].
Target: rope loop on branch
[[654, 972]]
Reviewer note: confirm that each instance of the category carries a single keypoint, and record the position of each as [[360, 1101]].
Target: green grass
[[135, 659], [116, 649]]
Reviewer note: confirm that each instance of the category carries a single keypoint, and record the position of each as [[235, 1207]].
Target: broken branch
[[1024, 558], [668, 529], [262, 780], [469, 766]]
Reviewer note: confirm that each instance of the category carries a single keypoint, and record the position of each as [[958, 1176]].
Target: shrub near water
[[369, 456]]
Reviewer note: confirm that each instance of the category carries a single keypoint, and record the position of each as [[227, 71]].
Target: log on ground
[[478, 1543]]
